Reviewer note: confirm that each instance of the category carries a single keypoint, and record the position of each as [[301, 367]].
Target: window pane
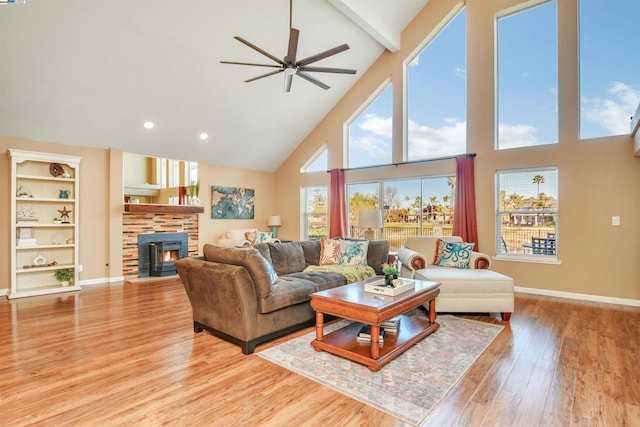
[[361, 197], [370, 133], [319, 164], [528, 77], [401, 213], [527, 212], [436, 95], [315, 212], [438, 201], [609, 78]]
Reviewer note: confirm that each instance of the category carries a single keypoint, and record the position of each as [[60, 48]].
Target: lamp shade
[[370, 219], [274, 221]]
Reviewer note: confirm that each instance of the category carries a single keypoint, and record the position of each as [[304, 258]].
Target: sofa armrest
[[480, 261], [222, 296], [411, 259]]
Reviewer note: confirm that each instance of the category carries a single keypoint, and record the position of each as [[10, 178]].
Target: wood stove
[[157, 253]]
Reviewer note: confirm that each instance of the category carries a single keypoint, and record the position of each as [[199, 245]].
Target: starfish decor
[[64, 214]]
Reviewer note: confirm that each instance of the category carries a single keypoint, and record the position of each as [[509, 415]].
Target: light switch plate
[[615, 220]]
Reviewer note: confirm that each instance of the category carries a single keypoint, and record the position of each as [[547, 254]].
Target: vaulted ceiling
[[91, 73]]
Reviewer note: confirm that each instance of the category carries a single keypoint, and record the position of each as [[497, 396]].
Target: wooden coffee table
[[352, 302]]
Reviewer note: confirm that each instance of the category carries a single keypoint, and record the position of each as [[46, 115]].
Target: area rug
[[410, 386]]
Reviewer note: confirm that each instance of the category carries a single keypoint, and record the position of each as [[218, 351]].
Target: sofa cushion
[[377, 254], [295, 288], [472, 281], [265, 251], [260, 270], [353, 252], [452, 254], [311, 249], [287, 257], [330, 251]]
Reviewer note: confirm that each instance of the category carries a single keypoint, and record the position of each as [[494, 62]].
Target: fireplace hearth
[[157, 253]]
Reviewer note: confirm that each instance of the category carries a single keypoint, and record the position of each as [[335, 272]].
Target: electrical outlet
[[79, 268], [615, 220]]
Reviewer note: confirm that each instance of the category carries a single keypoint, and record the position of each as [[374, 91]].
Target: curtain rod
[[403, 163]]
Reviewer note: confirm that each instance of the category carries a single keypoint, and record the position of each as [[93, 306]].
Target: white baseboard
[[101, 280], [576, 296]]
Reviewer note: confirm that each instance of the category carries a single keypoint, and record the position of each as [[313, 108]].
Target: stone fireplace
[[135, 224]]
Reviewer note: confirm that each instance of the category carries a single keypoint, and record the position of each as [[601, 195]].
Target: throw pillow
[[329, 251], [250, 236], [456, 255], [262, 237], [353, 253]]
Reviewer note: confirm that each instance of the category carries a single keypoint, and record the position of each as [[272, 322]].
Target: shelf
[[44, 225], [40, 199], [51, 268], [44, 290], [45, 246], [44, 178], [150, 208]]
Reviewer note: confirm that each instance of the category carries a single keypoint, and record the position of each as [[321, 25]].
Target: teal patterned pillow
[[353, 253], [263, 237], [455, 255]]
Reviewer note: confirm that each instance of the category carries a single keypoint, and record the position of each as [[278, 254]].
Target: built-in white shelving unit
[[44, 187]]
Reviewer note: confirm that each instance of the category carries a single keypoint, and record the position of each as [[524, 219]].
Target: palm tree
[[538, 179]]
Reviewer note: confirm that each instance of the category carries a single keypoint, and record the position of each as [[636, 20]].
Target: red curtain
[[338, 214], [464, 220]]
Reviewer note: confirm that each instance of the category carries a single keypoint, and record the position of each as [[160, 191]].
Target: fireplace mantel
[[162, 209]]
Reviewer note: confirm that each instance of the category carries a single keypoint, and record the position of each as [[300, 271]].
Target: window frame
[[499, 213], [306, 196]]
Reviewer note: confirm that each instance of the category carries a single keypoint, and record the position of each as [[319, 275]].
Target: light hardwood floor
[[125, 354]]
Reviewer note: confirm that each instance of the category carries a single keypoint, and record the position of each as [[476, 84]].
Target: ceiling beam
[[357, 12]]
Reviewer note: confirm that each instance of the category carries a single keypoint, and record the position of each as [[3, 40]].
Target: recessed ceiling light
[[148, 125], [204, 136]]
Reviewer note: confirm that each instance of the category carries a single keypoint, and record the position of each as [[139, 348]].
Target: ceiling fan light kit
[[289, 65]]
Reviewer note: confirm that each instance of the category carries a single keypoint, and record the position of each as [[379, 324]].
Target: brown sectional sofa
[[254, 294]]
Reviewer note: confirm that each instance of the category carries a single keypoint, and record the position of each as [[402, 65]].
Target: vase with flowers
[[194, 192], [390, 273]]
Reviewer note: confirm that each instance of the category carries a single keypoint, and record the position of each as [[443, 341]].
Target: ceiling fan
[[289, 65]]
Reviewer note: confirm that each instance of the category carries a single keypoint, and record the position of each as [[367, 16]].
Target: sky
[[609, 84]]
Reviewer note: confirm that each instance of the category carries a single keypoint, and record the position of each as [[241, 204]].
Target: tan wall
[[597, 178], [101, 204]]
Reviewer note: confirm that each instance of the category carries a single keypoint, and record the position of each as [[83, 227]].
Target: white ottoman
[[471, 291]]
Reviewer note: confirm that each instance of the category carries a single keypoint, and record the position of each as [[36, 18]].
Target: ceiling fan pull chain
[[290, 14]]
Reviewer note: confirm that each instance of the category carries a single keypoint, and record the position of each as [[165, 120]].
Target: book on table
[[391, 326], [365, 334]]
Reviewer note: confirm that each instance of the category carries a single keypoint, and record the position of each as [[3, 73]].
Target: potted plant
[[57, 221], [390, 272], [64, 276]]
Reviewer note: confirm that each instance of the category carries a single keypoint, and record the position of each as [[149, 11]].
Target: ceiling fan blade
[[308, 78], [294, 35], [251, 63], [264, 75], [328, 70], [322, 55], [256, 48]]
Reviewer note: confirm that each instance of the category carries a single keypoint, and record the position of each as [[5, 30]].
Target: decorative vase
[[195, 201], [64, 283], [388, 278]]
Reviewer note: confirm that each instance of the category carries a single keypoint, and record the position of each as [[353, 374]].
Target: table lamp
[[371, 220], [274, 222]]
